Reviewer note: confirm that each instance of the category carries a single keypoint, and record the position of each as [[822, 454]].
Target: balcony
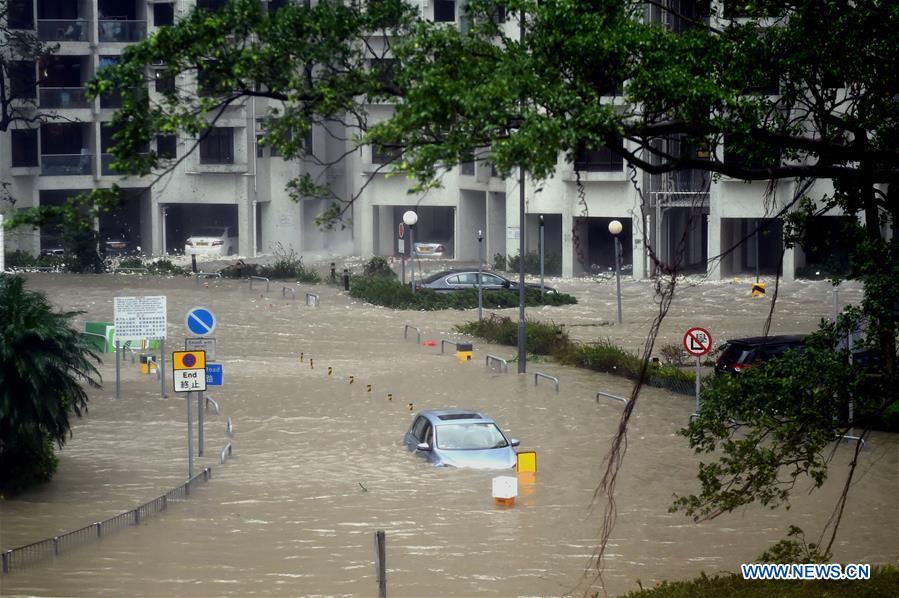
[[62, 30], [67, 164], [64, 97], [122, 31]]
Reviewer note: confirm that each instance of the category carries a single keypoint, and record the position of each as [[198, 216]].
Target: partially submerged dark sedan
[[460, 438]]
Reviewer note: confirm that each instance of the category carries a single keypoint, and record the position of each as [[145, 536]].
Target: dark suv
[[740, 354]]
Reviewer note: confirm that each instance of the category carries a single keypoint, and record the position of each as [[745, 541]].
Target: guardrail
[[610, 396], [51, 547], [226, 452], [538, 375], [503, 364], [311, 300], [406, 328], [443, 340], [293, 293], [214, 404], [260, 279], [131, 270]]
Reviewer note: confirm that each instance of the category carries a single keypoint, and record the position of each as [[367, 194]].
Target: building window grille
[[445, 11], [217, 146], [597, 160], [24, 147], [167, 146]]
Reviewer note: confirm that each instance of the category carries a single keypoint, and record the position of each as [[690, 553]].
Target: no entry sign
[[697, 341]]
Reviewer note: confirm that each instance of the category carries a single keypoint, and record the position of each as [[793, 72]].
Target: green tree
[[44, 363]]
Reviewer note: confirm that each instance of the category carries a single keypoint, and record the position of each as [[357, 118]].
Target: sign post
[[189, 375], [139, 318], [401, 243], [697, 342]]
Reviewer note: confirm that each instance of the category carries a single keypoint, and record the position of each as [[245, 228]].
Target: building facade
[[230, 180]]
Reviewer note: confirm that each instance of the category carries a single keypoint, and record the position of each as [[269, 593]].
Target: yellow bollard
[[464, 352], [330, 370], [389, 396], [351, 379], [311, 364], [301, 358], [410, 406], [368, 388]]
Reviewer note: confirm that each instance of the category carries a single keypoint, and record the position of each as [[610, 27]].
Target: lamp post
[[409, 219], [480, 268], [615, 228], [542, 288]]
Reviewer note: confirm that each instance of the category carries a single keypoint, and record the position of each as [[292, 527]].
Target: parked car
[[117, 246], [740, 354], [460, 438], [210, 240], [433, 248], [458, 280]]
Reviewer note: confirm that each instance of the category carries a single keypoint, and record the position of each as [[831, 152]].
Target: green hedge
[[603, 356], [392, 293]]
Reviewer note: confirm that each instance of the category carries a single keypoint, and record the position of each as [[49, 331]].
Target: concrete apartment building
[[232, 181]]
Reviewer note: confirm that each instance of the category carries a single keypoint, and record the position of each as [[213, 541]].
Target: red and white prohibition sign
[[697, 341]]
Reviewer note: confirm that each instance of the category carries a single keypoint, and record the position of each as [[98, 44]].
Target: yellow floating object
[[311, 364], [389, 396], [526, 462], [758, 289], [351, 379], [368, 387], [505, 489], [464, 352], [330, 370], [410, 406]]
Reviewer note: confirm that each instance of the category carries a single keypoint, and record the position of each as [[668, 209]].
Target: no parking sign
[[697, 341]]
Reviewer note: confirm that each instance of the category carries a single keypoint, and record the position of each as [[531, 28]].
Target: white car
[[211, 240]]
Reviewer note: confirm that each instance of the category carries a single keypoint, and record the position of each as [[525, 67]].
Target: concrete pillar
[[245, 226], [715, 247], [568, 253]]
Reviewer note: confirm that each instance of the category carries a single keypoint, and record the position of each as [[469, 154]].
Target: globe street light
[[615, 228], [409, 219]]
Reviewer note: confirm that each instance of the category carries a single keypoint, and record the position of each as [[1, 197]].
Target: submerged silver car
[[460, 438]]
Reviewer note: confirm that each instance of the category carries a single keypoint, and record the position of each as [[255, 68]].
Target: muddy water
[[318, 465]]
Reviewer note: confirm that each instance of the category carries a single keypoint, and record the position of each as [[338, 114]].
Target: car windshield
[[470, 437], [209, 232], [735, 353]]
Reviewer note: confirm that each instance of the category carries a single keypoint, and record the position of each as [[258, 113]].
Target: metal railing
[[503, 364], [66, 164], [311, 300], [610, 396], [202, 274], [443, 340], [406, 328], [16, 558], [64, 97], [538, 375], [230, 428], [62, 30], [122, 31], [226, 452], [293, 292], [259, 279]]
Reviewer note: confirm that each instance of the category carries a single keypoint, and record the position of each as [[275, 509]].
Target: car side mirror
[[506, 284], [423, 446], [514, 442]]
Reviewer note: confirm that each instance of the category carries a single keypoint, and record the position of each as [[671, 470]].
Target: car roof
[[768, 340], [453, 416]]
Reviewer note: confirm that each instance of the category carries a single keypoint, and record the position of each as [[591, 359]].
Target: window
[[468, 278], [421, 428], [498, 14], [217, 146], [23, 79], [24, 147], [274, 5], [211, 4], [384, 154], [466, 165], [384, 68], [489, 279], [445, 11], [163, 14], [20, 14], [758, 160], [164, 81], [167, 146], [598, 160]]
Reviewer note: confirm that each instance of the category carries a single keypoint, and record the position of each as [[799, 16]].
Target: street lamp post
[[409, 219], [542, 288], [615, 228], [480, 268]]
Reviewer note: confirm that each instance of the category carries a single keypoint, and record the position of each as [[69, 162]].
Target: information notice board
[[139, 318]]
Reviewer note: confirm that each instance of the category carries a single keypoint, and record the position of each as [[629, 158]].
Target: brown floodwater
[[318, 463]]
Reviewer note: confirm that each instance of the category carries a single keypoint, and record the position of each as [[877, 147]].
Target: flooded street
[[318, 463]]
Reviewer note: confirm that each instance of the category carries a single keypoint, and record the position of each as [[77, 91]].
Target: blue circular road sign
[[200, 321]]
